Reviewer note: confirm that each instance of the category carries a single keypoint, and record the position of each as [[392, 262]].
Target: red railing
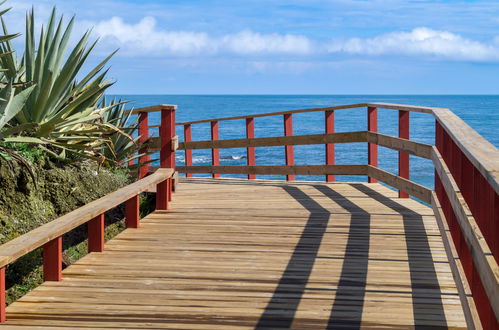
[[474, 169]]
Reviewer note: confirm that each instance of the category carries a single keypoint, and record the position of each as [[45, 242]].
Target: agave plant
[[123, 147], [63, 108]]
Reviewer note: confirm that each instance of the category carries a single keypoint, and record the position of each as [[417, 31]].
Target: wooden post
[[143, 136], [188, 152], [215, 153], [403, 156], [132, 212], [162, 197], [52, 260], [166, 154], [96, 234], [173, 126], [329, 120], [289, 150], [250, 151], [372, 149], [3, 316]]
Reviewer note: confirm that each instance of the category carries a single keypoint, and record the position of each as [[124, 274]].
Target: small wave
[[231, 157]]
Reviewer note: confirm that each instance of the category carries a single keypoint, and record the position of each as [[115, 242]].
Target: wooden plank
[[403, 184], [469, 307], [277, 170], [481, 254], [34, 239], [278, 113], [153, 108], [237, 253], [412, 108], [348, 137], [482, 154], [174, 143], [405, 107], [411, 147]]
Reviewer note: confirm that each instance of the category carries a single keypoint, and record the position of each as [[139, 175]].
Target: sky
[[287, 47]]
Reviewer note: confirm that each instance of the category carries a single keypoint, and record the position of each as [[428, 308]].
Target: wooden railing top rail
[[404, 107], [482, 154], [36, 238], [153, 108]]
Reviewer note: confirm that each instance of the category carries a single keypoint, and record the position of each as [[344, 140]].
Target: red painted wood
[[166, 132], [188, 152], [372, 149], [289, 150], [143, 136], [132, 212], [167, 155], [495, 221], [481, 200], [162, 195], [250, 151], [330, 159], [52, 260], [404, 169], [96, 234], [3, 315], [173, 126], [215, 153]]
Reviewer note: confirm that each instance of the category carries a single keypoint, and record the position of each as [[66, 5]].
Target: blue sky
[[290, 47]]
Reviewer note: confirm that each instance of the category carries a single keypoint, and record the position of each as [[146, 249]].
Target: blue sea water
[[481, 112]]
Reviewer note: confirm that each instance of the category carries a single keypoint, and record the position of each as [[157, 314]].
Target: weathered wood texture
[[238, 255], [277, 169], [484, 261]]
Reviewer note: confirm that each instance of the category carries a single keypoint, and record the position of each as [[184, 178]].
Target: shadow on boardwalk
[[281, 309]]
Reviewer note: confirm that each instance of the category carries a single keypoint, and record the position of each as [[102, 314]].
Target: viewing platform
[[232, 254], [220, 253]]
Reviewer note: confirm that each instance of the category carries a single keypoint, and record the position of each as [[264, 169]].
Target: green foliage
[[122, 147], [62, 111]]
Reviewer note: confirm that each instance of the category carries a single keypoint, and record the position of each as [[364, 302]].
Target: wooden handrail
[[36, 238], [483, 155], [483, 259], [414, 148]]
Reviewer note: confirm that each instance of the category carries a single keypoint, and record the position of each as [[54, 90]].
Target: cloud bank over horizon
[[146, 38]]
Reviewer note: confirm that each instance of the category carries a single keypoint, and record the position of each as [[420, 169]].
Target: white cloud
[[419, 41], [144, 38], [248, 42]]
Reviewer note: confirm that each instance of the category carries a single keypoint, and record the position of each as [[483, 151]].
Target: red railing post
[[166, 154], [250, 151], [143, 136], [372, 149], [215, 153], [289, 150], [52, 260], [162, 195], [132, 212], [188, 152], [329, 120], [404, 169], [3, 316], [96, 234]]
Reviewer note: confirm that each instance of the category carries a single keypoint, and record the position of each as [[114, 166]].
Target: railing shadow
[[280, 312], [421, 264], [352, 283]]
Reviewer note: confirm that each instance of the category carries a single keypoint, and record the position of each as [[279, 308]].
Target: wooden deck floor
[[232, 254]]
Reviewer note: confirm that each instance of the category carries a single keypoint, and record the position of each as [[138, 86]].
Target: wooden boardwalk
[[237, 254]]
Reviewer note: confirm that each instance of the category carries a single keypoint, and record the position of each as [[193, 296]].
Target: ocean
[[481, 112]]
